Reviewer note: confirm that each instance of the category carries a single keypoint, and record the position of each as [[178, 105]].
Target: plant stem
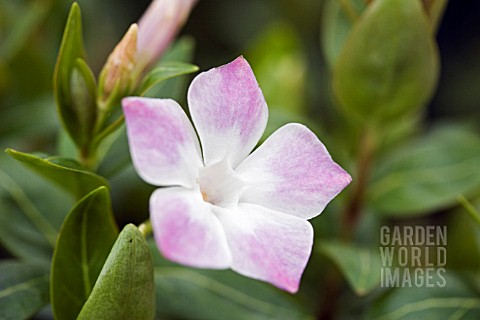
[[354, 206], [333, 282], [470, 208], [88, 158], [146, 228], [351, 217]]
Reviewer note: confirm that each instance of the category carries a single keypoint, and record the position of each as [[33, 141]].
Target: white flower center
[[220, 185]]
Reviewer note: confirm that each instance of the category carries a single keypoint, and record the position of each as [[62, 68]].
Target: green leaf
[[24, 28], [185, 293], [181, 51], [26, 232], [164, 71], [118, 156], [428, 173], [435, 10], [31, 211], [189, 294], [380, 77], [453, 301], [72, 81], [23, 289], [336, 25], [125, 288], [84, 242], [63, 172], [360, 266]]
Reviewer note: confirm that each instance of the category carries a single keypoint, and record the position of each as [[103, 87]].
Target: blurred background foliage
[[423, 163]]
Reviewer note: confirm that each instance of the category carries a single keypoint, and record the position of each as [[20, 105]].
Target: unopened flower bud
[[118, 70], [158, 27]]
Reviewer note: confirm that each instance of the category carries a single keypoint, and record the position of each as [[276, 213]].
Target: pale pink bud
[[158, 27], [118, 69]]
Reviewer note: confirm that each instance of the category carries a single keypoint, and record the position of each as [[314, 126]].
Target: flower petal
[[163, 144], [267, 245], [228, 110], [292, 172], [185, 229]]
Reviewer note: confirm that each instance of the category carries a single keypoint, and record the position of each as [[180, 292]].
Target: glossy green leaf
[[164, 71], [186, 293], [360, 266], [388, 66], [72, 80], [84, 242], [24, 230], [31, 211], [23, 289], [125, 288], [455, 300], [428, 173], [63, 172], [189, 294], [336, 24]]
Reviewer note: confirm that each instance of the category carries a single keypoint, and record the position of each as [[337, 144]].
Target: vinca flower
[[222, 207]]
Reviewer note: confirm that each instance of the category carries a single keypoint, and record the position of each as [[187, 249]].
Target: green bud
[[83, 104], [74, 83], [389, 64]]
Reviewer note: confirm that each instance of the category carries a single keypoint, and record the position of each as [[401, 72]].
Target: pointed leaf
[[189, 294], [186, 293], [64, 172], [380, 77], [125, 289], [163, 72], [32, 211], [23, 289], [360, 266], [72, 80], [435, 10], [428, 173], [86, 237]]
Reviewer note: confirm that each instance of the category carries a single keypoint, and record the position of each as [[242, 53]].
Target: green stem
[[146, 228], [470, 208], [354, 207], [351, 216], [107, 131], [88, 157]]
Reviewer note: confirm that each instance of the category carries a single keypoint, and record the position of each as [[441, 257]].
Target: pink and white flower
[[222, 206]]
